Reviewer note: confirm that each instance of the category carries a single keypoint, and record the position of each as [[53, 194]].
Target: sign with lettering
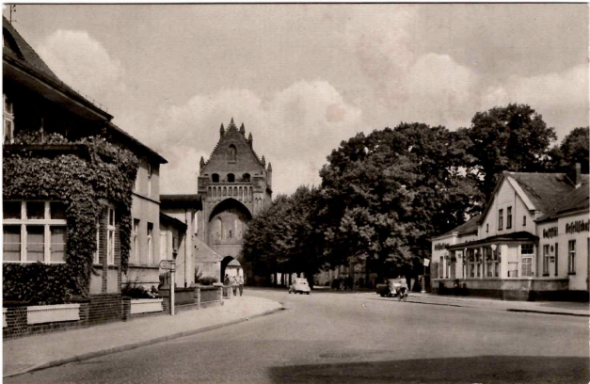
[[439, 246], [550, 232], [577, 226]]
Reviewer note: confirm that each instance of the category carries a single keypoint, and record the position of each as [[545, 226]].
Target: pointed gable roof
[[232, 135]]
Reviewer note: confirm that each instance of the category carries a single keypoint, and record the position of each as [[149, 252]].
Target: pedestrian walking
[[235, 285], [241, 284]]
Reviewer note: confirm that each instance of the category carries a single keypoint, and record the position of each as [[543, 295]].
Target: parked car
[[300, 286], [390, 288]]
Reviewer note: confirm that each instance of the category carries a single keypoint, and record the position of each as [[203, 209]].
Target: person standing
[[235, 285], [241, 284]]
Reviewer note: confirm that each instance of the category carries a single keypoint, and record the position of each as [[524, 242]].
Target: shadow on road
[[479, 369]]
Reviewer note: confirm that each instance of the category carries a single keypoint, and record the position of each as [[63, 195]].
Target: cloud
[[82, 62], [560, 97], [295, 129]]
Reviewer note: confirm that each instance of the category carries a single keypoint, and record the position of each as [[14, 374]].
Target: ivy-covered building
[[531, 242], [81, 209]]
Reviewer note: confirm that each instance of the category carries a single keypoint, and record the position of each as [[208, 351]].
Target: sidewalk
[[546, 307], [43, 351]]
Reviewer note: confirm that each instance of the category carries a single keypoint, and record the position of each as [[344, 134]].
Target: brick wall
[[105, 308], [16, 319]]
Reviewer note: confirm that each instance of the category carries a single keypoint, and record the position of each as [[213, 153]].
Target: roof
[[18, 53], [576, 200], [169, 220], [142, 148], [544, 190], [539, 191], [470, 226], [514, 236], [205, 254], [181, 201]]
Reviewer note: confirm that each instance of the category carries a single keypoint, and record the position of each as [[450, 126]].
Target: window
[[512, 269], [509, 218], [524, 221], [526, 249], [34, 231], [97, 252], [441, 267], [556, 258], [111, 237], [231, 178], [246, 177], [232, 153], [215, 178], [149, 180], [8, 128], [487, 227], [527, 266], [546, 260], [136, 241], [150, 232], [500, 219], [571, 259]]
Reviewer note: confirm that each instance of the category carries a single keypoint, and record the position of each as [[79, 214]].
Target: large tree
[[512, 138], [383, 195], [573, 149]]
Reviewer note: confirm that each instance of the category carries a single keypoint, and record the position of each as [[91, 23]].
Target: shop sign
[[550, 232], [439, 246], [577, 226]]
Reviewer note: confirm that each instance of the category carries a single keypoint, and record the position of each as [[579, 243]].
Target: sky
[[304, 77]]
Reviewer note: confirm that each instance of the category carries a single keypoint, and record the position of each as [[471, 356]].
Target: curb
[[548, 312], [500, 309], [124, 348]]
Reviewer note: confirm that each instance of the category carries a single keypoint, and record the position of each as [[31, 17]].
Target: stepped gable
[[229, 134]]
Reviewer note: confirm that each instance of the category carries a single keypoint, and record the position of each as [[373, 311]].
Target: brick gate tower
[[234, 184]]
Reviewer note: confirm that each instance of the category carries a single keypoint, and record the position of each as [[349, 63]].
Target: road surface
[[350, 338]]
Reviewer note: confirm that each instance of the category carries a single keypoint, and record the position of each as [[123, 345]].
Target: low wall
[[509, 289], [20, 321]]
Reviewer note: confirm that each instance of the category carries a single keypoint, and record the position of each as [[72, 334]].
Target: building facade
[[531, 242], [234, 184]]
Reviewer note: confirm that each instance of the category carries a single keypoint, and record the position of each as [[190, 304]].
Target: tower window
[[215, 178], [246, 177], [232, 152], [231, 178]]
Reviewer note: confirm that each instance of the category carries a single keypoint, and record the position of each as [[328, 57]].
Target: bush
[[134, 291], [39, 284], [207, 280]]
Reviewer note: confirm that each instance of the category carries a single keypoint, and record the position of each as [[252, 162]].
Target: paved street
[[354, 338]]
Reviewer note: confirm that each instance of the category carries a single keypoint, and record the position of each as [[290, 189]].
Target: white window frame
[[500, 219], [571, 257], [150, 243], [111, 235], [509, 217], [47, 223], [136, 224], [8, 114], [97, 253], [149, 180]]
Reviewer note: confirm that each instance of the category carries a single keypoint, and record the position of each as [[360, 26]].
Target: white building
[[531, 242]]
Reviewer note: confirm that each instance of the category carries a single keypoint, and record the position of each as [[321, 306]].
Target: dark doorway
[[226, 260]]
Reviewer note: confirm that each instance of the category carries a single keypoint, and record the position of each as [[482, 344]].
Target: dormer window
[[232, 153]]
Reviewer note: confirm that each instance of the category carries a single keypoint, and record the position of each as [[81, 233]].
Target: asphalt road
[[343, 338]]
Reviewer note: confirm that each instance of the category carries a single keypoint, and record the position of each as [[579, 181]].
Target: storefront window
[[571, 260]]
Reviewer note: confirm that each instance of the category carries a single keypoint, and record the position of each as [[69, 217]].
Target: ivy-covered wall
[[85, 184]]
